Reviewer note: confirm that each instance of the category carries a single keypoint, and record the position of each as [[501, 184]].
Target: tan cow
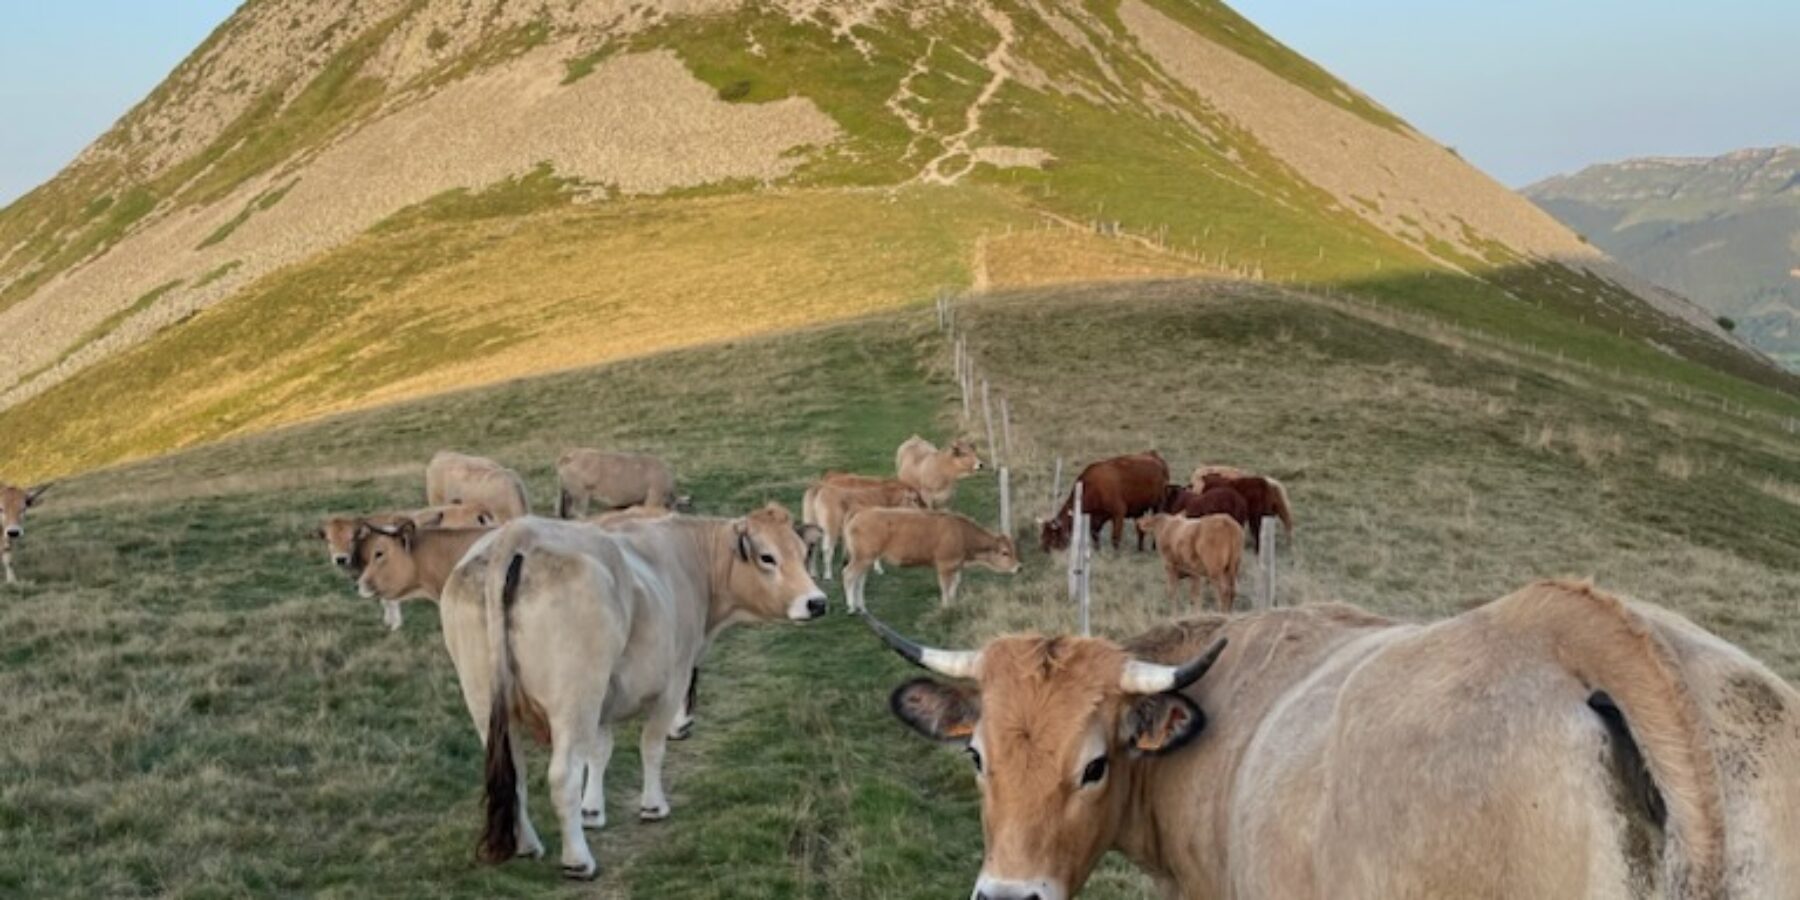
[[1558, 742], [341, 533], [1210, 547], [946, 541], [14, 501], [933, 472], [614, 480], [830, 504], [570, 628], [457, 478], [1212, 470]]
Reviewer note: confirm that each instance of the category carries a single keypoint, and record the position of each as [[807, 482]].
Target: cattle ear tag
[[1159, 723]]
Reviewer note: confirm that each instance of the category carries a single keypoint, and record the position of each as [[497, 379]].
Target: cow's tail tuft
[[500, 841], [1635, 677], [564, 501]]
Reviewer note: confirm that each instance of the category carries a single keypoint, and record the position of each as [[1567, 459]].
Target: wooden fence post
[[987, 416], [1265, 557], [1006, 501]]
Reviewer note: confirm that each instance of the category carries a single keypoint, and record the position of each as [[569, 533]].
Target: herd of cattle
[[1557, 742]]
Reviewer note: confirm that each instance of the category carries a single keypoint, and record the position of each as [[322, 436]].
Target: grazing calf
[[342, 533], [569, 628], [1112, 490], [1179, 500], [933, 472], [830, 504], [1263, 497], [456, 478], [946, 541], [14, 501], [614, 481], [1211, 547]]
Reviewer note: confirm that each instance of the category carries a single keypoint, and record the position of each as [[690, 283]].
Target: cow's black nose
[[815, 607], [15, 532]]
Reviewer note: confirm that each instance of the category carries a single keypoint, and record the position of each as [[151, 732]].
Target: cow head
[[339, 535], [1053, 533], [768, 577], [963, 459], [1151, 523], [14, 501], [1056, 729], [1003, 557], [384, 559]]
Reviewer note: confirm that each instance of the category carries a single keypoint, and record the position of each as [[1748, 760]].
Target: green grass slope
[[544, 271], [213, 713]]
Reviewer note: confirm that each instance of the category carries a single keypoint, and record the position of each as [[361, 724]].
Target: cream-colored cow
[[614, 481], [460, 479], [946, 541], [341, 534], [570, 628], [838, 496], [1210, 548], [14, 501], [1558, 742], [933, 472]]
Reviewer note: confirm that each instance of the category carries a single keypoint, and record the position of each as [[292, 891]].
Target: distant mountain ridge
[[1724, 231]]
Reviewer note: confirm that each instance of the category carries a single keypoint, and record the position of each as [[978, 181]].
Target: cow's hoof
[[652, 813], [588, 872], [683, 731], [593, 819], [534, 851]]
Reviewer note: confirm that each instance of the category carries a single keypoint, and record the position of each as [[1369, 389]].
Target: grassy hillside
[[238, 255], [214, 713]]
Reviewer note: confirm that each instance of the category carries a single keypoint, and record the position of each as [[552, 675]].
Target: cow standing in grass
[[570, 628], [837, 497], [933, 472], [1210, 547], [1263, 497], [613, 481], [342, 533], [14, 501], [1558, 742], [1112, 490], [946, 541], [457, 478]]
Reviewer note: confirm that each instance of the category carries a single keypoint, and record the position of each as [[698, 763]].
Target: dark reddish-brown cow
[[1180, 500], [1112, 490], [1263, 497]]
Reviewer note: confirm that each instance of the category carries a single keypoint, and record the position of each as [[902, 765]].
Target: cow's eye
[[1094, 772], [975, 757], [380, 554], [768, 559]]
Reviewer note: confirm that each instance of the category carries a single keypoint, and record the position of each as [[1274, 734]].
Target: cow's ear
[[484, 520], [1158, 723], [35, 494], [743, 541], [408, 533], [939, 711]]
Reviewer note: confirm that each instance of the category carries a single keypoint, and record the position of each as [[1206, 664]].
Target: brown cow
[[1180, 500], [615, 480], [1210, 546], [1263, 497], [933, 472], [946, 541], [1557, 742], [837, 497], [14, 501], [342, 533], [456, 478], [1112, 490]]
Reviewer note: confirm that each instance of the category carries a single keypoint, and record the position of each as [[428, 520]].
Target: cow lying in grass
[[946, 541], [1556, 743], [1210, 547], [570, 628], [14, 501], [341, 533]]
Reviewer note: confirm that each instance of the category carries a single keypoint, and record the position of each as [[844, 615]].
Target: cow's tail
[[500, 842], [1637, 686], [564, 501], [1278, 493]]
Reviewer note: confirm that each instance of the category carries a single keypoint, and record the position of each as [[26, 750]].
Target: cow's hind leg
[[683, 728], [390, 614], [593, 795], [830, 551], [856, 576], [654, 807], [574, 742]]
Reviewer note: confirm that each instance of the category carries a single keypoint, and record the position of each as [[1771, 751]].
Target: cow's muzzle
[[997, 889], [15, 532], [342, 560], [807, 608]]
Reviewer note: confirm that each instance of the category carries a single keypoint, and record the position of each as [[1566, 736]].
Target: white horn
[[1150, 678], [948, 663]]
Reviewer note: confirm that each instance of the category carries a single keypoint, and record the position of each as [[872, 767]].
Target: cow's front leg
[[654, 807], [390, 614], [948, 579], [6, 558], [593, 796]]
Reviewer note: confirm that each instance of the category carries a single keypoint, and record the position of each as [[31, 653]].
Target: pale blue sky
[[1524, 89]]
